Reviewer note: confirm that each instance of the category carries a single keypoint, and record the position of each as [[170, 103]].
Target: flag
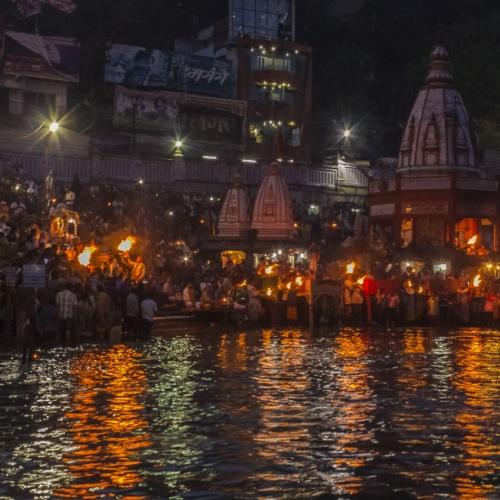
[[28, 8], [66, 6]]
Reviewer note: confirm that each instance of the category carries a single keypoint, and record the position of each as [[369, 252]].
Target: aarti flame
[[361, 281], [126, 244], [477, 280], [84, 257], [270, 270], [299, 281], [269, 292], [473, 240], [349, 269]]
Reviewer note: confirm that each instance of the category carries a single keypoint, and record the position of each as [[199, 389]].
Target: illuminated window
[[406, 232], [271, 62], [464, 231]]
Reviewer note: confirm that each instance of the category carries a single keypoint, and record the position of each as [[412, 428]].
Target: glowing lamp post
[[178, 148], [53, 127]]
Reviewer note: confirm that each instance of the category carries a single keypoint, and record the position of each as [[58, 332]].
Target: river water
[[267, 414]]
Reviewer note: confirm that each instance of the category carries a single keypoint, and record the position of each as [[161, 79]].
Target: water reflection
[[106, 423], [273, 413], [282, 440], [477, 378], [175, 382], [355, 442]]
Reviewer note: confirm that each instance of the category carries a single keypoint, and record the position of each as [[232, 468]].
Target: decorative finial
[[237, 179], [439, 67], [274, 168]]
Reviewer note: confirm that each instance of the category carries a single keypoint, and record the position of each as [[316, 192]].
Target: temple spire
[[439, 68]]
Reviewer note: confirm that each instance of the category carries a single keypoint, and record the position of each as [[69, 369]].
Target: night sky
[[370, 56]]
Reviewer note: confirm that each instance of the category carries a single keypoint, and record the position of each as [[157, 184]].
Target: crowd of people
[[414, 304], [119, 293]]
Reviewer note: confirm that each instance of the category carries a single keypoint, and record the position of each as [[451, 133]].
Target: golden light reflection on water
[[270, 413], [355, 411], [232, 354], [414, 345], [106, 422], [477, 376], [283, 430]]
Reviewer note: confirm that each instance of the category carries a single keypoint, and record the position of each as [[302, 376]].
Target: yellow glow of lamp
[[54, 127], [473, 240], [349, 269], [477, 280], [178, 146]]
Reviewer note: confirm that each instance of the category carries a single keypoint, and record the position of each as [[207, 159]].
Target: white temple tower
[[438, 135], [234, 217], [273, 212]]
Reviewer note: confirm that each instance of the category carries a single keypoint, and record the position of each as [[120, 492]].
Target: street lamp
[[54, 127], [178, 146], [347, 133]]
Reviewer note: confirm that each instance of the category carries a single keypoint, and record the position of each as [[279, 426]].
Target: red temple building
[[439, 194]]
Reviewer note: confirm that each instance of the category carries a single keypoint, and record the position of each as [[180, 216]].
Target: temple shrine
[[273, 212], [234, 218], [439, 194]]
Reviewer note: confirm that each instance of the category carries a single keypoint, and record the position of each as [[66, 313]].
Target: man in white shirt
[[148, 310]]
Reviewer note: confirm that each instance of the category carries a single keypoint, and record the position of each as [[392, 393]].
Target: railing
[[164, 171]]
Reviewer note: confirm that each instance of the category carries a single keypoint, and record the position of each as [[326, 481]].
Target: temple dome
[[273, 212], [438, 135], [234, 217]]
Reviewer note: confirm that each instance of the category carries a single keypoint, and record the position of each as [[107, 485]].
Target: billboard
[[147, 111], [137, 66], [210, 125], [141, 67], [45, 57], [201, 119]]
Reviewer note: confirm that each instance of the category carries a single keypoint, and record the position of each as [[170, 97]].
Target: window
[[271, 62], [268, 19], [272, 94]]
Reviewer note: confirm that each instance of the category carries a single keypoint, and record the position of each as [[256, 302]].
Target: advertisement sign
[[137, 66], [174, 113], [200, 75], [141, 67], [47, 57], [147, 111], [208, 125], [33, 276]]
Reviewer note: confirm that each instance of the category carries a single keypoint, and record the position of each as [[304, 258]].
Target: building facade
[[440, 194], [190, 117]]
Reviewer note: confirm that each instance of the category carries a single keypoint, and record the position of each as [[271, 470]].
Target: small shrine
[[234, 217], [273, 211], [64, 224], [439, 195]]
